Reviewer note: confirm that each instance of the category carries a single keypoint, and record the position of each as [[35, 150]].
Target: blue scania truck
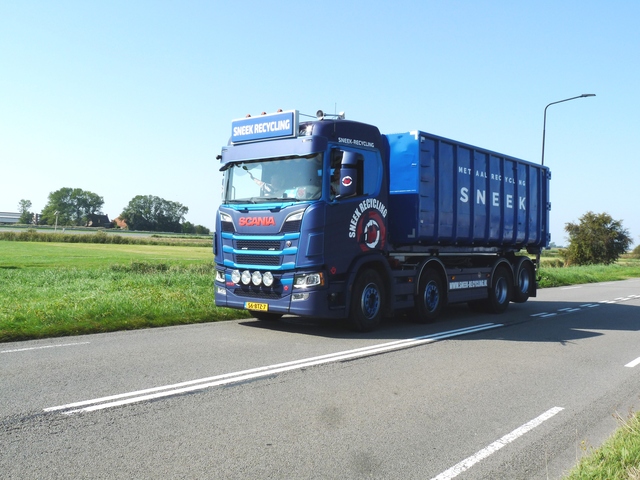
[[330, 218]]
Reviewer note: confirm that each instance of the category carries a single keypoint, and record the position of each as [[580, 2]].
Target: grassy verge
[[617, 459], [559, 277], [57, 289], [55, 302]]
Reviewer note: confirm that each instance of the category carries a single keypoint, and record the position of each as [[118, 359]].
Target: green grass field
[[25, 255], [56, 289]]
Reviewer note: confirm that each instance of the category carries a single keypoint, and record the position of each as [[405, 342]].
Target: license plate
[[261, 307]]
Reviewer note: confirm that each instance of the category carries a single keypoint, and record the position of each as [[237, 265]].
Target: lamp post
[[544, 125]]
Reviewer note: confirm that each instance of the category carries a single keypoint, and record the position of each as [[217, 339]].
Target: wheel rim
[[431, 296], [501, 290], [370, 301]]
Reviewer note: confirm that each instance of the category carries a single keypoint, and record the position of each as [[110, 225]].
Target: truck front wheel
[[367, 301], [430, 298]]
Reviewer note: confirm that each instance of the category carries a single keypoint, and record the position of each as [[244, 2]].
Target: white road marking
[[229, 378], [469, 462], [634, 363], [43, 347], [586, 305]]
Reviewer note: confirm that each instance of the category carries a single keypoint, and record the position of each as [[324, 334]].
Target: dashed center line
[[584, 305], [634, 363]]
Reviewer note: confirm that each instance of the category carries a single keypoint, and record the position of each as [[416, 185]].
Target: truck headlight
[[296, 216], [246, 277], [256, 278], [235, 276], [267, 279], [308, 280]]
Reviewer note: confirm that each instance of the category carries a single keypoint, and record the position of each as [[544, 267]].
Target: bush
[[597, 239]]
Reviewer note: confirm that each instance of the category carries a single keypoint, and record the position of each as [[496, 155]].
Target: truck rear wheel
[[525, 283], [430, 298], [500, 291], [367, 301]]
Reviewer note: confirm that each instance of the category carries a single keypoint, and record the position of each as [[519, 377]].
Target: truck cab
[[304, 208]]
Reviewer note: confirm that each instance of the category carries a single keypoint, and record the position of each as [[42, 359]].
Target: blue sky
[[126, 98]]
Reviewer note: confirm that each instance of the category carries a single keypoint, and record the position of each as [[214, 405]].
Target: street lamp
[[544, 125]]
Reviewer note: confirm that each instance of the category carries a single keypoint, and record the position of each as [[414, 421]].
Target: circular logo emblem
[[370, 231]]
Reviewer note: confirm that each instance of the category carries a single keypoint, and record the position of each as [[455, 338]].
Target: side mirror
[[349, 174], [348, 181]]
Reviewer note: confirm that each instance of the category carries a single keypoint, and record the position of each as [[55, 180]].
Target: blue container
[[448, 193]]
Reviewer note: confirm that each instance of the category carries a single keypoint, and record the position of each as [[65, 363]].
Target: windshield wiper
[[271, 199]]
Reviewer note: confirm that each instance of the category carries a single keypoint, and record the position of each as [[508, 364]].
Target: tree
[[597, 239], [72, 206], [202, 230], [26, 216], [151, 213], [188, 227]]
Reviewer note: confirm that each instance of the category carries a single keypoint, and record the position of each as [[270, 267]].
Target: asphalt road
[[516, 396]]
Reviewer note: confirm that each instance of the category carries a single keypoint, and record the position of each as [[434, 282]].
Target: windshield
[[297, 178]]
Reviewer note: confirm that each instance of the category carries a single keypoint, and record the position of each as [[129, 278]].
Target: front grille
[[264, 294], [265, 260], [259, 245]]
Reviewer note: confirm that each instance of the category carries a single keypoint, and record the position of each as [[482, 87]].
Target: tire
[[367, 301], [525, 283], [430, 299], [501, 290], [267, 316]]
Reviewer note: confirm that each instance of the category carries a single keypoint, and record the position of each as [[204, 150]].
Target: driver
[[276, 187]]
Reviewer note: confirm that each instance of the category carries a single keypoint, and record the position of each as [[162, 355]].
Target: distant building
[[101, 221], [9, 217], [120, 223]]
